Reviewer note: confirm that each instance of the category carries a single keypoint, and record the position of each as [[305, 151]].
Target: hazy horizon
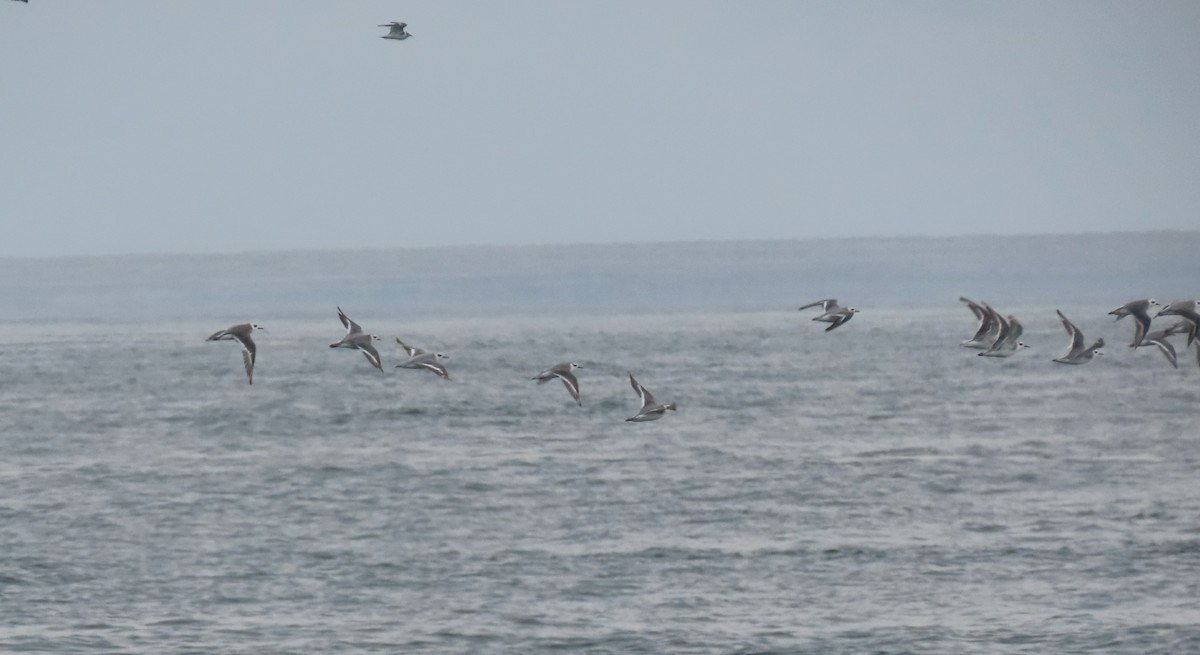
[[1099, 271], [146, 127], [596, 244]]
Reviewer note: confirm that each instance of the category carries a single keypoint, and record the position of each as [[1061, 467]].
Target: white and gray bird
[[1158, 339], [241, 333], [356, 339], [1186, 309], [418, 358], [1140, 311], [831, 312], [1008, 337], [1078, 352], [651, 410], [397, 31], [565, 372]]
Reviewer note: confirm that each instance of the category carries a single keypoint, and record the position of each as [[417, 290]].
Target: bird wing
[[1001, 332], [370, 353], [1015, 329], [437, 368], [839, 319], [1167, 349], [987, 324], [247, 343], [1143, 317], [1075, 334], [412, 352], [827, 304], [248, 360], [975, 308], [646, 397], [571, 384], [351, 326]]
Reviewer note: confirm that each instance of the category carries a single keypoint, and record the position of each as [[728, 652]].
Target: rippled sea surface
[[874, 489]]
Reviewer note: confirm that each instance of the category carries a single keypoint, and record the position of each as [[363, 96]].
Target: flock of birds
[[358, 339], [1000, 336], [996, 336]]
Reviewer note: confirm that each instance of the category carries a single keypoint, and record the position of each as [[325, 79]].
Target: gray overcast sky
[[216, 126]]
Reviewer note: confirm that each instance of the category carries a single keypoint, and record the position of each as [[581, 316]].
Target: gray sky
[[223, 126]]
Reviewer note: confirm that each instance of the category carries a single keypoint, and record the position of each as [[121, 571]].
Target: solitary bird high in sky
[[397, 31]]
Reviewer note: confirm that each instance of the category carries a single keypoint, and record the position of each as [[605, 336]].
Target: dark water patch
[[474, 639], [398, 412], [853, 552], [61, 644], [947, 487], [478, 487], [984, 528], [93, 626], [906, 452], [1152, 515], [180, 621], [1171, 548]]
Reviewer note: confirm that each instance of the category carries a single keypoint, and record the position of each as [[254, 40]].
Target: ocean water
[[876, 489]]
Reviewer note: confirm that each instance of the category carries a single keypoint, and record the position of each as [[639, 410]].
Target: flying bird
[[1008, 338], [1140, 311], [565, 372], [1078, 353], [832, 312], [418, 358], [1158, 338], [1188, 310], [397, 31], [358, 340], [241, 333], [651, 410]]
